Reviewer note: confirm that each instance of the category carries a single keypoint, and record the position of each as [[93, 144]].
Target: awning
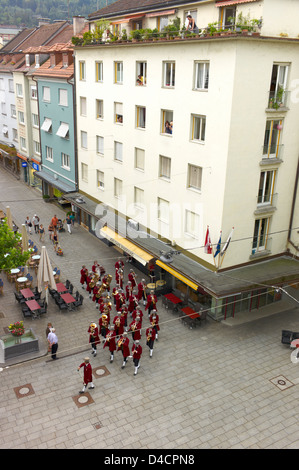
[[140, 255], [63, 130], [23, 157], [227, 3], [160, 13], [176, 274], [58, 184], [46, 125]]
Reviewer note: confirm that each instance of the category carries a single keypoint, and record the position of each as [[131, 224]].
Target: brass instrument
[[120, 342], [149, 335], [109, 279], [117, 322], [133, 326], [92, 284]]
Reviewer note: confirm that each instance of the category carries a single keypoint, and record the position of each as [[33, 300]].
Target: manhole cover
[[24, 391], [101, 371], [83, 400], [281, 382]]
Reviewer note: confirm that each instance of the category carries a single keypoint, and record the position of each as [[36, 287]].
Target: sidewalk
[[211, 387]]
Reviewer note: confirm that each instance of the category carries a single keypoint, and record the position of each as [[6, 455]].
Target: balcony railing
[[278, 100], [261, 247], [272, 151]]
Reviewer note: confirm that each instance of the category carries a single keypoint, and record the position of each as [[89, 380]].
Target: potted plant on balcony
[[155, 34], [124, 35], [148, 34], [212, 28], [136, 35]]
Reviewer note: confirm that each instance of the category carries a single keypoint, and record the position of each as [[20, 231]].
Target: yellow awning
[[140, 255], [177, 275]]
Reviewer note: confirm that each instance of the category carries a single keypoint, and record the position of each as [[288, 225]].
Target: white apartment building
[[230, 163]]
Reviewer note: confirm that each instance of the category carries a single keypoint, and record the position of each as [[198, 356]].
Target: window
[[162, 22], [36, 147], [100, 145], [194, 177], [99, 72], [163, 210], [138, 197], [84, 172], [33, 92], [227, 16], [140, 117], [168, 74], [193, 13], [118, 72], [201, 75], [100, 179], [21, 117], [198, 128], [118, 188], [118, 113], [23, 143], [37, 60], [260, 234], [164, 167], [82, 71], [27, 60], [10, 86], [13, 111], [35, 121], [118, 151], [166, 122], [65, 161], [83, 139], [49, 153], [63, 131], [2, 88], [266, 185], [46, 94], [271, 147], [139, 159], [99, 109], [63, 97], [3, 107], [15, 135], [19, 89], [192, 224], [83, 108], [47, 125], [141, 73], [278, 84]]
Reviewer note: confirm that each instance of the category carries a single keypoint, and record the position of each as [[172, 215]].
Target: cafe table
[[33, 307], [20, 282], [68, 299], [27, 293], [173, 300], [190, 312], [60, 287]]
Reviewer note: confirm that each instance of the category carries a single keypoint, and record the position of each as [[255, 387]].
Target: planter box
[[9, 349]]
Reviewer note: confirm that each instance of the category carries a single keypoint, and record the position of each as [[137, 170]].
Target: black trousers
[[54, 350]]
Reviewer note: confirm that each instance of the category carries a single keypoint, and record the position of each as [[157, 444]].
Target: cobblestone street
[[213, 387]]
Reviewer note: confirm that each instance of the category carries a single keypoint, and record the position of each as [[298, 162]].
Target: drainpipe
[[293, 208]]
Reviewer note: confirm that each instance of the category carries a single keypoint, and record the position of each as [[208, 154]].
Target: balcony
[[278, 101]]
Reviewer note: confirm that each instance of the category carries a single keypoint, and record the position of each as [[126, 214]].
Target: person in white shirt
[[35, 221], [53, 342]]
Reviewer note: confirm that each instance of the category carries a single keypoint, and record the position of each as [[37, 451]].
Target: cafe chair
[[52, 291], [19, 297], [63, 306], [67, 283], [71, 288], [27, 314], [79, 302], [77, 295], [37, 295], [43, 309], [203, 316], [286, 337]]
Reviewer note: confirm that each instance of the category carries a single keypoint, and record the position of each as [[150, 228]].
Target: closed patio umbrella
[[24, 238], [9, 217], [45, 275]]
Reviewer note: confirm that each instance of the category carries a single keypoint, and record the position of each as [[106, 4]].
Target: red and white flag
[[208, 243]]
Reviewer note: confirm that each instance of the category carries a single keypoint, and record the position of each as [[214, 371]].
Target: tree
[[9, 243]]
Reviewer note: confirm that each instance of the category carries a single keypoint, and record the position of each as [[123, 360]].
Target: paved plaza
[[218, 386]]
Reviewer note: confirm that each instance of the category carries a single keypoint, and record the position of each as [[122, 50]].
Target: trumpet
[[134, 325], [120, 342]]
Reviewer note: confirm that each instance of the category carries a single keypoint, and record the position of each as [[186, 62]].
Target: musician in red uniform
[[136, 353], [94, 267], [83, 274], [132, 278], [119, 277], [87, 378], [133, 302], [137, 313], [110, 342], [151, 302], [142, 291], [118, 322], [94, 337], [154, 319], [123, 346], [129, 290], [103, 325], [135, 327], [124, 315], [119, 264], [120, 299], [88, 281], [150, 339]]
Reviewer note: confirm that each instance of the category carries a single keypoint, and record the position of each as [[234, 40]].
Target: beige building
[[227, 160]]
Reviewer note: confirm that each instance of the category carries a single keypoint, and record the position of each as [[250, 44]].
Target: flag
[[218, 246], [227, 242], [208, 244]]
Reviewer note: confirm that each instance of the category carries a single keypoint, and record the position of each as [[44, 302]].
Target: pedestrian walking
[[41, 233], [53, 343], [69, 224], [28, 224], [72, 217], [54, 221], [123, 346], [150, 339], [136, 353], [35, 222], [87, 375], [55, 239], [94, 338]]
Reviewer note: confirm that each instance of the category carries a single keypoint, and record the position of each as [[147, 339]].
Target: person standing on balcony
[[192, 26]]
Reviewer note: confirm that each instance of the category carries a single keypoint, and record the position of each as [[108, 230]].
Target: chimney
[[78, 24], [42, 21]]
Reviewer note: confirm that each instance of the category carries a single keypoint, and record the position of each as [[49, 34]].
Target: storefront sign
[[35, 166], [24, 164]]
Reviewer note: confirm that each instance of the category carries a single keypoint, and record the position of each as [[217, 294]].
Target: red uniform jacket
[[124, 347], [110, 341], [129, 290], [136, 331], [95, 335], [133, 302], [119, 264], [83, 274], [88, 280], [156, 321], [140, 290], [119, 329], [87, 372], [151, 300], [136, 351], [132, 279], [137, 313], [150, 334]]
